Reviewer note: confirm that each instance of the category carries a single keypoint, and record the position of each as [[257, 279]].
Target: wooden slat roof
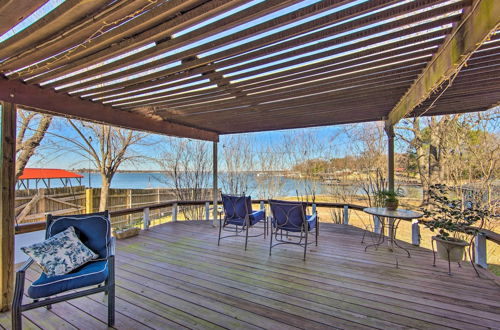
[[204, 68]]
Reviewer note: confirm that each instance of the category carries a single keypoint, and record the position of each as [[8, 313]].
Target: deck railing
[[480, 251]]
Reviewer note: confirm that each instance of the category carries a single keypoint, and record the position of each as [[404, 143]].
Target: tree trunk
[[103, 202], [27, 148]]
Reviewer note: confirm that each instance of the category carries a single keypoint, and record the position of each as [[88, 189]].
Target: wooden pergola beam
[[477, 26], [7, 204], [64, 105]]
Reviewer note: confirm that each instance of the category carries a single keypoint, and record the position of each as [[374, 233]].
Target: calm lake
[[288, 186]]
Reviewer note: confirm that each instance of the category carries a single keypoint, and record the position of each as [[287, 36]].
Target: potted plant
[[453, 220], [389, 199], [129, 230]]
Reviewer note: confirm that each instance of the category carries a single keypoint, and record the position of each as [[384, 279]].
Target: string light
[[67, 55]]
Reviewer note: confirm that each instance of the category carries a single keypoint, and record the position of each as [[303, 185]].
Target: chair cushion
[[254, 218], [236, 207], [92, 273], [61, 253], [92, 229]]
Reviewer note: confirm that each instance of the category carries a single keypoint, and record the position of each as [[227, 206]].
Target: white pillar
[[415, 232], [207, 210], [146, 218], [346, 215], [174, 212], [480, 250], [376, 224]]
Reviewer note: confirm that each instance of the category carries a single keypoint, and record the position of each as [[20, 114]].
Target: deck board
[[175, 276]]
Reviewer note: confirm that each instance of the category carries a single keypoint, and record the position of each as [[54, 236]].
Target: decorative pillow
[[61, 253]]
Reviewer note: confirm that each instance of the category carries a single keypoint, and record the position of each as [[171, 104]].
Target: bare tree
[[31, 129], [187, 166], [106, 147], [238, 162]]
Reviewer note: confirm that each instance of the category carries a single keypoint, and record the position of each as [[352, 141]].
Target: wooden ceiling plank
[[49, 25], [402, 23], [127, 37], [355, 78], [199, 63], [75, 34], [13, 12], [269, 105], [172, 44], [477, 25], [64, 105], [320, 66]]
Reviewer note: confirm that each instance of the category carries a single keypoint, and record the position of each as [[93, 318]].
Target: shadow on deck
[[174, 275]]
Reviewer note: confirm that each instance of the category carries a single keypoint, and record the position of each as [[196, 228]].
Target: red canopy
[[47, 173]]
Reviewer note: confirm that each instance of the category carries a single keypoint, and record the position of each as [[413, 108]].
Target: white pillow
[[61, 253]]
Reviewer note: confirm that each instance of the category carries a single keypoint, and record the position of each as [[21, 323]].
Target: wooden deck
[[174, 276]]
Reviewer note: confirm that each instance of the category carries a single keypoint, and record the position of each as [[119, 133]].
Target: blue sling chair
[[291, 218], [94, 231], [239, 217]]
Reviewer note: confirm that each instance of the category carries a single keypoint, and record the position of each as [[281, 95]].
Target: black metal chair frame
[[304, 232], [108, 288], [237, 230]]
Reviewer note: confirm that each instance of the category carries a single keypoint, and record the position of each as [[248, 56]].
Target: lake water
[[289, 186]]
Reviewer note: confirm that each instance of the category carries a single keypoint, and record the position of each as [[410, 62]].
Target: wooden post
[[207, 210], [480, 250], [174, 212], [215, 189], [376, 224], [89, 200], [42, 201], [415, 232], [7, 206], [346, 214], [389, 129], [129, 202], [146, 218]]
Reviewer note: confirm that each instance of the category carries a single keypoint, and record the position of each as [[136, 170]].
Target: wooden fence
[[32, 205]]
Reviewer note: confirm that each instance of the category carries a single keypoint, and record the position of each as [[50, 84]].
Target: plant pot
[[392, 205], [454, 249], [126, 233]]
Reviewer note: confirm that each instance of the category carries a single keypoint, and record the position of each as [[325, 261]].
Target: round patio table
[[394, 218]]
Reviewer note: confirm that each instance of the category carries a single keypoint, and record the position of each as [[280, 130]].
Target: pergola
[[202, 68]]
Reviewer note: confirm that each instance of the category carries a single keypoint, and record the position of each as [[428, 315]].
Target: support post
[[7, 206], [215, 189], [262, 205], [313, 208], [480, 251], [129, 202], [389, 129], [146, 218], [415, 232], [376, 224], [89, 200], [174, 212], [207, 211], [346, 215]]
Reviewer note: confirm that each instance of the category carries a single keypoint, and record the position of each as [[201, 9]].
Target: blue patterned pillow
[[61, 253]]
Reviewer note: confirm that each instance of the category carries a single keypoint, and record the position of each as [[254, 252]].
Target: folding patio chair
[[291, 218], [239, 217]]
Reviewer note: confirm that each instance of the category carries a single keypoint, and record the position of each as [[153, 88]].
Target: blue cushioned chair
[[94, 231], [239, 217], [291, 218]]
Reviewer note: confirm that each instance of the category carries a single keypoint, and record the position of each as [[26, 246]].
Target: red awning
[[47, 173]]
